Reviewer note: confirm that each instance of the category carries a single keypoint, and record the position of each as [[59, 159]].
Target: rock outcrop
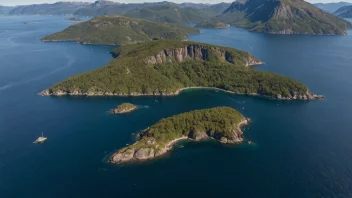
[[199, 52], [295, 96], [124, 108]]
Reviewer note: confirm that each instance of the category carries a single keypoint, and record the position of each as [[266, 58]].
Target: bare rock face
[[197, 52], [198, 135], [144, 153], [223, 140], [283, 11], [123, 156], [295, 96], [236, 136]]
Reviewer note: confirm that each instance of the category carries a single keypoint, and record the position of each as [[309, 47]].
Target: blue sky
[[26, 2]]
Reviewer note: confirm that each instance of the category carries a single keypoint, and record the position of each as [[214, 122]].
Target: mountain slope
[[169, 13], [5, 10], [217, 9], [166, 67], [100, 8], [120, 30], [331, 7], [283, 17], [344, 12], [59, 8]]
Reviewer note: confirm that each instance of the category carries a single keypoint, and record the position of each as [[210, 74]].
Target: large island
[[120, 30], [221, 123], [167, 67]]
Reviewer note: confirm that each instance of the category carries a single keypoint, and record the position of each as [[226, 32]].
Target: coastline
[[114, 111], [308, 96], [129, 154]]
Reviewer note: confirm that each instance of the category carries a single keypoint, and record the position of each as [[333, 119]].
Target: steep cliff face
[[199, 52]]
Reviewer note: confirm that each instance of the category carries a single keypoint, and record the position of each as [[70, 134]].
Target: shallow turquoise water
[[301, 149]]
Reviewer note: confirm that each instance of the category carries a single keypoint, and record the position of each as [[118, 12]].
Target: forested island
[[120, 30], [220, 123], [124, 108], [166, 67]]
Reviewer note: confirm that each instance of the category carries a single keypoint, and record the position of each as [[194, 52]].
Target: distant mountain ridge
[[344, 12], [283, 17], [59, 8], [331, 7], [5, 10], [100, 8], [169, 13], [105, 7]]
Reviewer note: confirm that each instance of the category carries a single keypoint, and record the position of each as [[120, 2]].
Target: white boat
[[40, 139]]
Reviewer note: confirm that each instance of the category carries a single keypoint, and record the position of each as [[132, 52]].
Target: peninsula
[[166, 67], [120, 30], [212, 25], [220, 123], [124, 108]]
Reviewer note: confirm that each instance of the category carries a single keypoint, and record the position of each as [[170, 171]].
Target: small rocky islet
[[124, 108], [212, 25], [220, 123]]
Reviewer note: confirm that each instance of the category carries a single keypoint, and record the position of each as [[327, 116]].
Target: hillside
[[344, 12], [331, 7], [5, 10], [159, 9], [119, 30], [166, 67], [59, 8], [221, 123], [100, 8], [283, 17], [211, 24], [216, 9], [169, 13]]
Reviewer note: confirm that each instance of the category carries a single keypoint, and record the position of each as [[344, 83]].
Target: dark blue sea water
[[300, 149]]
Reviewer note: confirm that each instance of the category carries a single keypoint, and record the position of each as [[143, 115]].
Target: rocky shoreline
[[307, 96], [130, 154], [124, 108]]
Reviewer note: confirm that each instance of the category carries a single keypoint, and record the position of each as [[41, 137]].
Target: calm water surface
[[301, 149]]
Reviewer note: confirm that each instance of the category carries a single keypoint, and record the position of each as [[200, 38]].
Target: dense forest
[[165, 67], [221, 123], [119, 30]]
